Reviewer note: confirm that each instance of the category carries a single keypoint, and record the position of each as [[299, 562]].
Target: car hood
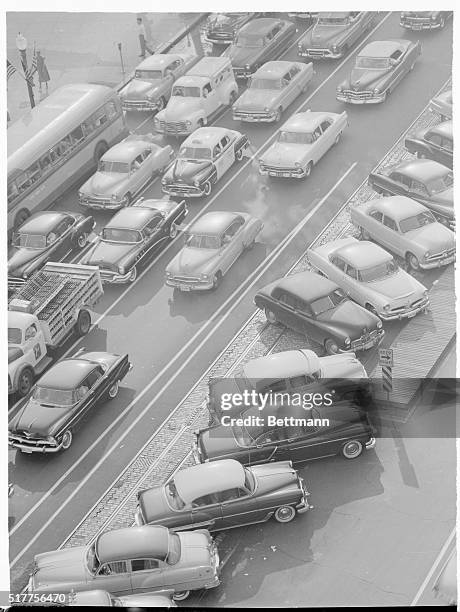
[[285, 153], [434, 237], [195, 549], [362, 79], [38, 419], [240, 56], [103, 183], [179, 108], [139, 89], [397, 286], [186, 170], [445, 197], [345, 365], [271, 477], [217, 441], [110, 253], [349, 319], [257, 99], [20, 258], [325, 35], [61, 566], [154, 506], [192, 261]]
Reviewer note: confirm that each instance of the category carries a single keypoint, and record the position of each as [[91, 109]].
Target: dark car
[[436, 143], [133, 235], [46, 236], [298, 435], [424, 20], [63, 397], [424, 180], [257, 42], [221, 28], [315, 306], [224, 494]]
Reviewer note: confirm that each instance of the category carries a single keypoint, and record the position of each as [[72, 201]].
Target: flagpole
[[21, 44]]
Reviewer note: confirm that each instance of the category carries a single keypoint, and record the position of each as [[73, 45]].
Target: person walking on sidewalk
[[142, 38], [43, 74]]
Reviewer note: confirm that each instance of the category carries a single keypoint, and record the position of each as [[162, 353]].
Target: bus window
[[77, 135]]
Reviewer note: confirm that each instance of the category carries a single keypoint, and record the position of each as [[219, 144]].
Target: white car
[[302, 141]]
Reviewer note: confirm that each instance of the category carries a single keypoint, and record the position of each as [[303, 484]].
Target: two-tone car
[[98, 597], [315, 307], [407, 229], [424, 180], [133, 236], [334, 33], [63, 397], [370, 275], [271, 89], [442, 105], [212, 245], [150, 88], [50, 235], [131, 561], [301, 143], [257, 42], [223, 495], [436, 143], [202, 161], [124, 171], [379, 68], [424, 20], [221, 28]]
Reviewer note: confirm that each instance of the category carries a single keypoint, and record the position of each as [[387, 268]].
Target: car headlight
[[164, 181], [427, 254], [386, 307], [204, 276], [168, 274], [300, 46], [376, 90], [334, 48], [196, 182], [379, 324], [297, 164], [433, 18], [425, 294], [339, 88], [156, 120], [51, 439], [347, 341], [122, 269], [115, 196], [188, 123]]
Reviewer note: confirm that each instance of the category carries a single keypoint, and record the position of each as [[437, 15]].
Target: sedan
[[436, 143], [63, 397], [212, 245], [314, 306], [426, 181], [221, 28], [379, 67], [96, 598], [271, 90], [133, 236], [424, 20], [408, 229], [124, 171], [370, 276], [257, 42], [442, 105], [46, 236], [302, 141], [131, 560], [224, 494]]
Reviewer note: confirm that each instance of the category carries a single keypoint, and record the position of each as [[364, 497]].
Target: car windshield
[[174, 549], [113, 166], [174, 499], [29, 241], [440, 184], [412, 223], [202, 241], [296, 137], [378, 272], [92, 560], [186, 92], [333, 20], [328, 302], [14, 335], [266, 84], [195, 153], [54, 397], [113, 234], [151, 75], [372, 63], [253, 42]]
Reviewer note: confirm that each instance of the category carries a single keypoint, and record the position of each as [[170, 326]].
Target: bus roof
[[42, 127]]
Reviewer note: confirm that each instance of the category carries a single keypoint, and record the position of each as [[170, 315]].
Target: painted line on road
[[228, 306]]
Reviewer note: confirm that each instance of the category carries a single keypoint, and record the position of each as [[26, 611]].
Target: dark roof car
[[435, 143]]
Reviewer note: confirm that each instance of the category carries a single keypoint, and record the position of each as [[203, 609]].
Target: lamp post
[[21, 44], [121, 59]]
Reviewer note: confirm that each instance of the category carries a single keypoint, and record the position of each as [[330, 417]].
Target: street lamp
[[21, 44]]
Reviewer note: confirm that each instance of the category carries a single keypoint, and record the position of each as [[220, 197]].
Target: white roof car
[[207, 478]]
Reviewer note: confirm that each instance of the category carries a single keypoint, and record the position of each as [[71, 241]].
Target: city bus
[[57, 143]]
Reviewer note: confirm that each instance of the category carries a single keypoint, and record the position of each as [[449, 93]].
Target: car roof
[[208, 478], [275, 69], [422, 169], [206, 136], [142, 542], [41, 223], [21, 320], [134, 218], [397, 207], [213, 223], [67, 374], [260, 26], [383, 48], [126, 150], [306, 285], [306, 121], [282, 365], [158, 61], [335, 15], [355, 253], [91, 598], [443, 129], [192, 81], [208, 66]]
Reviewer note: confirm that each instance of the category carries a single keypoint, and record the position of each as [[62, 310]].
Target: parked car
[[315, 306], [295, 371], [272, 88], [341, 429], [151, 86], [63, 397], [424, 20], [406, 228], [203, 159], [96, 598], [46, 236], [212, 245], [379, 67], [257, 42], [426, 181], [221, 28], [334, 33], [223, 495], [124, 171], [442, 105], [369, 275], [302, 141], [133, 236], [436, 143], [446, 583], [131, 560], [303, 17]]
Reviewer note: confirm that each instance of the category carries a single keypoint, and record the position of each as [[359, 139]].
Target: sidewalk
[[82, 47]]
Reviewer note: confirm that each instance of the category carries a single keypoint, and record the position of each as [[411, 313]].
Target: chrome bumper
[[254, 117], [375, 99], [103, 204], [318, 54], [408, 314], [187, 192], [432, 25], [297, 173], [441, 261], [198, 285], [27, 448]]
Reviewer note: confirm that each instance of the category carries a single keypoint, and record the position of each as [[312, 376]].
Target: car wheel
[[66, 440], [161, 104], [200, 123], [271, 317], [331, 347], [81, 240], [413, 262], [113, 391], [279, 112], [207, 188], [173, 230], [83, 324], [25, 382], [308, 169], [217, 280], [284, 514], [364, 235], [442, 22], [337, 138], [352, 449], [133, 275], [239, 154], [181, 595], [21, 217]]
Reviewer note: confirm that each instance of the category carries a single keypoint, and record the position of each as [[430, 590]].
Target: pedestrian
[[43, 74], [142, 38]]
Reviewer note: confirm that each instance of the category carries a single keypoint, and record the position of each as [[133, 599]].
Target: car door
[[319, 144], [89, 393], [155, 237], [328, 135], [206, 512], [225, 156], [418, 191], [351, 284], [147, 167], [240, 507], [287, 312], [287, 90], [113, 577], [136, 178], [210, 98], [297, 83], [439, 148], [232, 243], [279, 40], [32, 345], [336, 270], [397, 183], [265, 447], [307, 324], [61, 244], [310, 442], [389, 235], [146, 575]]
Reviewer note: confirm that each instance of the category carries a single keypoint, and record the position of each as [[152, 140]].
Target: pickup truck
[[43, 313]]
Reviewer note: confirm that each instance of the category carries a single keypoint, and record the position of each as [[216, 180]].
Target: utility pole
[[21, 44]]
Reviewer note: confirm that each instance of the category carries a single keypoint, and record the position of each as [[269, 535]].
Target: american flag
[[10, 69], [32, 68]]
